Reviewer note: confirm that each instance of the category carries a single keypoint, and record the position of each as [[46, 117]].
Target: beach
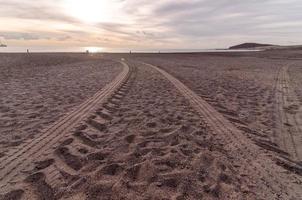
[[151, 126]]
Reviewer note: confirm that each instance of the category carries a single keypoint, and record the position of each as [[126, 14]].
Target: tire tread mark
[[290, 135], [235, 140], [18, 159]]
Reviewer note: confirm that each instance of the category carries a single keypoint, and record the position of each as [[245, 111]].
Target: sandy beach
[[151, 126], [38, 89]]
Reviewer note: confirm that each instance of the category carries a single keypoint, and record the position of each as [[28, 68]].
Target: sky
[[147, 24]]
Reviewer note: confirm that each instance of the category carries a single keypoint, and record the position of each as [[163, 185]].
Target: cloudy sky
[[146, 24]]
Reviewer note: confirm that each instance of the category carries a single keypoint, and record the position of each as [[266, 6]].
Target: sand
[[209, 131], [36, 90], [245, 90], [295, 73]]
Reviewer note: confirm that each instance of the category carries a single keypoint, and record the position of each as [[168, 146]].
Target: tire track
[[20, 159], [214, 118], [289, 112], [270, 177], [97, 122]]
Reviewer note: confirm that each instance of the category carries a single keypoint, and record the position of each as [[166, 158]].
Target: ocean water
[[40, 49], [100, 50]]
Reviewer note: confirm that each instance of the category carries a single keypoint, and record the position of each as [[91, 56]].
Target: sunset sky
[[145, 24]]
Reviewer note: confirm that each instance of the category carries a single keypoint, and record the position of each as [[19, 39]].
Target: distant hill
[[250, 46]]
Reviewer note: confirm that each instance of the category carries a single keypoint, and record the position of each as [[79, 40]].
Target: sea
[[41, 49]]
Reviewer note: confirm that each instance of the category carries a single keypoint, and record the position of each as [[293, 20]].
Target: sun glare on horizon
[[92, 11], [94, 49]]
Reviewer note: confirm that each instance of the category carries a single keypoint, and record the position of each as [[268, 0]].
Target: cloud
[[34, 9], [21, 36], [165, 23], [30, 36]]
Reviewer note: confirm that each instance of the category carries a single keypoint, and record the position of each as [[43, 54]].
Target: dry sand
[[249, 91], [240, 88], [37, 89], [295, 72], [155, 138]]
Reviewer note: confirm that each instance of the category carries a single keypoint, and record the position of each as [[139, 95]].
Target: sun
[[92, 11], [94, 49]]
